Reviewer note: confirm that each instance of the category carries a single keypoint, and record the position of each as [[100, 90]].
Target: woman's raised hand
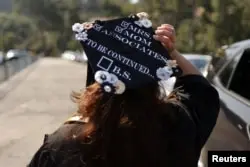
[[166, 35]]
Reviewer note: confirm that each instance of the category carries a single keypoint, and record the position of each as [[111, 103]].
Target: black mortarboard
[[90, 76], [123, 54]]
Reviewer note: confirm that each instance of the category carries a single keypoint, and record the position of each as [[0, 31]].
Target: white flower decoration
[[87, 25], [102, 76], [142, 15], [138, 23], [164, 73], [83, 36], [77, 27], [107, 88], [146, 22], [113, 79], [120, 87], [172, 63]]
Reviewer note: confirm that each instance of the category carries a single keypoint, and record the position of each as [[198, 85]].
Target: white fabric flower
[[107, 88], [120, 87], [83, 36], [172, 63], [146, 22], [102, 76], [164, 73], [138, 23], [168, 70], [113, 79], [77, 27], [142, 15], [87, 25]]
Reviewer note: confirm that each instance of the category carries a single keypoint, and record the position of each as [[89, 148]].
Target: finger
[[167, 29], [168, 46], [165, 45], [164, 39], [163, 33], [167, 33], [167, 26]]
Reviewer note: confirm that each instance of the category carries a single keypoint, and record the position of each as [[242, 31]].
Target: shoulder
[[58, 146], [203, 103], [196, 84], [67, 132], [201, 94], [191, 79], [174, 113]]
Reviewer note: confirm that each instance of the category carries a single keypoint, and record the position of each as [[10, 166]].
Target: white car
[[201, 62], [15, 53], [84, 56], [74, 56], [81, 57], [69, 55]]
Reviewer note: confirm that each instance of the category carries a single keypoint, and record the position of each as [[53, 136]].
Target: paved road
[[36, 102], [225, 137]]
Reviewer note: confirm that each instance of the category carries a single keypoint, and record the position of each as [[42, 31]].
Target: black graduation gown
[[90, 76], [192, 131]]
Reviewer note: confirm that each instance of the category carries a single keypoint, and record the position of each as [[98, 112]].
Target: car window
[[199, 63], [241, 77], [228, 55], [226, 73]]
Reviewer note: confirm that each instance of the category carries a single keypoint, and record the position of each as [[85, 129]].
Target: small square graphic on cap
[[105, 63], [125, 24], [119, 29]]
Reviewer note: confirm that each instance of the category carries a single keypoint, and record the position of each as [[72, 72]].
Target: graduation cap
[[122, 53]]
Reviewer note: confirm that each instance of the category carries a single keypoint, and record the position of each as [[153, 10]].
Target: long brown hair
[[122, 127]]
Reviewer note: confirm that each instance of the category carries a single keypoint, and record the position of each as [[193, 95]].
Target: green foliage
[[54, 20], [111, 8], [201, 25], [16, 30]]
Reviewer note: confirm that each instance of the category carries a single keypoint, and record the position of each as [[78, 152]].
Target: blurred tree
[[217, 23], [201, 25], [114, 8], [53, 17], [16, 31], [161, 11]]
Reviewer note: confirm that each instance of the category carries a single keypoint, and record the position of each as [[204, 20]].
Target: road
[[36, 102], [225, 137]]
